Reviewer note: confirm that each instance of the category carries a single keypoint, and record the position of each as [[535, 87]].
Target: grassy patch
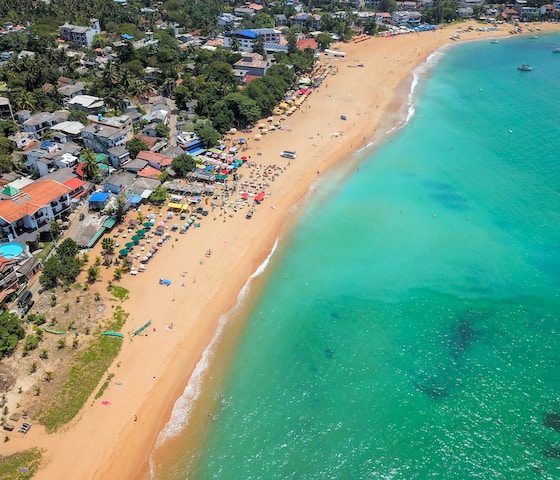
[[101, 391], [118, 292], [84, 375], [46, 249], [19, 466]]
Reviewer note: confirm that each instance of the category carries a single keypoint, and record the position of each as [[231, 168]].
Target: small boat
[[534, 37], [524, 68], [556, 50], [493, 42]]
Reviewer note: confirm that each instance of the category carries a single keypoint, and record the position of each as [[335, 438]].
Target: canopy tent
[[177, 206]]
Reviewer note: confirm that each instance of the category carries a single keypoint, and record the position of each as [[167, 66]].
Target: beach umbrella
[[148, 224], [137, 238], [123, 252], [141, 232], [232, 130], [135, 242], [129, 245], [258, 137], [270, 119]]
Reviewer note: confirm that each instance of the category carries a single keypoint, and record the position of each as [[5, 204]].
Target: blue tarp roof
[[126, 36], [245, 33], [134, 199], [195, 151], [99, 197]]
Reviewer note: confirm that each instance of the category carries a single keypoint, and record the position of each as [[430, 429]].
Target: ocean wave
[[417, 74], [184, 404]]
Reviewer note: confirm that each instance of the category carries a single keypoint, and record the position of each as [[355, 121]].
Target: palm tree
[[108, 245], [24, 99], [91, 169], [235, 46]]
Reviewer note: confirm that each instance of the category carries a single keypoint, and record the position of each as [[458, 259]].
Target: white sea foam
[[417, 74], [184, 404]]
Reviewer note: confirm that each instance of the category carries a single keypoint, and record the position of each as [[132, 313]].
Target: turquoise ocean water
[[411, 329]]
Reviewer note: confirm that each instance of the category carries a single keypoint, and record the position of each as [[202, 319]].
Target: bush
[[31, 343], [11, 332], [36, 318]]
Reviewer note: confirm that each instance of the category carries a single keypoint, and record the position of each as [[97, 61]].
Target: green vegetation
[[118, 292], [104, 386], [87, 370], [63, 267], [183, 164], [135, 146], [11, 332], [21, 465], [159, 195]]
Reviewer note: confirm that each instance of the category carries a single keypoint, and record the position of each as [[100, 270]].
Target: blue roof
[[126, 36], [134, 199], [99, 197], [245, 33], [195, 151]]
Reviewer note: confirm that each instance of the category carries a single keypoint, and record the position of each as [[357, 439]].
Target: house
[[144, 187], [6, 112], [100, 138], [305, 43], [155, 160], [118, 155], [80, 36], [227, 19], [383, 18], [465, 12], [117, 182], [69, 91], [51, 155], [245, 12], [134, 166], [252, 64], [406, 18], [510, 13], [15, 273], [280, 20], [86, 103], [529, 13], [27, 213], [149, 172], [37, 124], [72, 130], [306, 19], [22, 140], [98, 200], [246, 39]]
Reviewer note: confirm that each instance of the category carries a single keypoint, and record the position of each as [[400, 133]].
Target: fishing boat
[[556, 50], [524, 68], [493, 42]]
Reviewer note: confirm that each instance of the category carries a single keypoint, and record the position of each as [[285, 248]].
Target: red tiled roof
[[157, 158], [149, 172], [74, 183], [150, 141], [32, 197], [304, 43]]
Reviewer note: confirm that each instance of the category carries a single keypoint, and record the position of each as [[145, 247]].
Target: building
[[86, 103], [50, 155], [118, 155], [27, 213], [306, 19], [245, 39], [155, 160], [72, 130], [69, 91], [118, 182], [529, 13], [101, 137], [15, 273], [227, 19], [39, 123], [252, 64], [465, 12], [6, 112], [81, 36], [404, 18]]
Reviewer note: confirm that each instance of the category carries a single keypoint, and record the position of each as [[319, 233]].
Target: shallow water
[[410, 330]]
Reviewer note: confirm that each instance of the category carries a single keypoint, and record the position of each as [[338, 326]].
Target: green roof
[[109, 222], [10, 191]]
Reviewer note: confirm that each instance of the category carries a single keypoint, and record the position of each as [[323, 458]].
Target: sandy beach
[[114, 441]]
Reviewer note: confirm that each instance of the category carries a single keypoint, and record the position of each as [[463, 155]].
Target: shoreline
[[152, 399]]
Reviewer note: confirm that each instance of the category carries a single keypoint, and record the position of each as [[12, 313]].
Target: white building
[[246, 38], [81, 36]]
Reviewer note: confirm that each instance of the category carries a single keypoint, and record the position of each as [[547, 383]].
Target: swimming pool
[[10, 249]]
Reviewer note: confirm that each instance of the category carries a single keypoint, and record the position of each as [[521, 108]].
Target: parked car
[[25, 299], [25, 309]]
